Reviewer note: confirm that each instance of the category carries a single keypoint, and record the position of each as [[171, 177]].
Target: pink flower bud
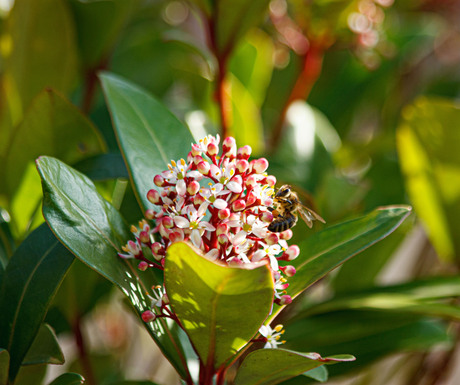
[[197, 159], [270, 180], [148, 316], [289, 270], [272, 239], [244, 152], [212, 149], [198, 200], [203, 167], [159, 181], [154, 197], [260, 165], [176, 236], [144, 236], [286, 235], [285, 300], [167, 222], [292, 252], [239, 205], [222, 228], [222, 239], [242, 165], [223, 214], [229, 147], [142, 266], [267, 217], [157, 248], [251, 198], [193, 187], [251, 181], [150, 214], [189, 157]]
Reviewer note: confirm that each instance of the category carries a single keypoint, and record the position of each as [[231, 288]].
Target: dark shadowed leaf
[[31, 279], [258, 367], [150, 136], [68, 379], [4, 365], [214, 300], [95, 231], [103, 167]]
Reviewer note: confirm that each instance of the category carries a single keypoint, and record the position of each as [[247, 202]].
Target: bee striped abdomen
[[282, 222]]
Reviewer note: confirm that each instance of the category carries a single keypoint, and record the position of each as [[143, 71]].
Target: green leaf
[[233, 18], [31, 279], [370, 335], [427, 141], [211, 301], [94, 231], [44, 53], [4, 366], [271, 366], [327, 249], [68, 379], [149, 134], [319, 374], [31, 375], [98, 24], [415, 297], [103, 167], [7, 245], [51, 126], [133, 383], [45, 349]]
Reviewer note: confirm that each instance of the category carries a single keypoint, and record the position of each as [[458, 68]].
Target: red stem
[[90, 85], [312, 62], [82, 352]]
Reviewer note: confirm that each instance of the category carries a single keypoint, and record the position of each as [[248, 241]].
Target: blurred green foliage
[[353, 102]]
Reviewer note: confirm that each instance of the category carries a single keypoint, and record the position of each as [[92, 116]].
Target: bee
[[286, 206]]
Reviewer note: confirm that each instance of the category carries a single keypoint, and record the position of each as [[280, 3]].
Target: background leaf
[[45, 349], [211, 299], [4, 366], [31, 279], [68, 379], [150, 136]]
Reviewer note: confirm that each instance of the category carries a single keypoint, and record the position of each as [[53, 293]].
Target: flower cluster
[[220, 202]]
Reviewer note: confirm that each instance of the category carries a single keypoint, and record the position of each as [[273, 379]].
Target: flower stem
[[82, 352]]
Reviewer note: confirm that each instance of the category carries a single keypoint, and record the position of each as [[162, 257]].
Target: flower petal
[[181, 187], [181, 222], [234, 187], [240, 237], [196, 238], [220, 204]]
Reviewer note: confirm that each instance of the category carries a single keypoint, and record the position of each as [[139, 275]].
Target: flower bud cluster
[[221, 202]]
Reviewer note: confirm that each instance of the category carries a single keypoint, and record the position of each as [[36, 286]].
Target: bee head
[[284, 191]]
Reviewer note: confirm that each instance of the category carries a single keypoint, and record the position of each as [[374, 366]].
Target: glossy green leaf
[[427, 142], [233, 18], [68, 379], [4, 366], [150, 136], [51, 126], [417, 297], [319, 374], [45, 349], [369, 335], [98, 24], [44, 53], [327, 249], [95, 231], [211, 300], [31, 279], [271, 366]]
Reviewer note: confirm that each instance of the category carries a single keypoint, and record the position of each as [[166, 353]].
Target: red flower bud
[[286, 235], [239, 205], [242, 165], [193, 187], [203, 167], [148, 316], [150, 214], [289, 270], [212, 149], [292, 252], [244, 152], [142, 266], [223, 213], [159, 180], [260, 165]]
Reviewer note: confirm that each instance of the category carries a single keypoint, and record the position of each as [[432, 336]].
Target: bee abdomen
[[282, 223]]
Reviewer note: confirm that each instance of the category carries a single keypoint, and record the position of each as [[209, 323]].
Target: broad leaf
[[45, 349], [427, 142], [220, 307], [44, 53], [103, 167], [150, 136], [95, 231], [327, 249], [68, 379], [4, 366], [31, 279], [271, 366]]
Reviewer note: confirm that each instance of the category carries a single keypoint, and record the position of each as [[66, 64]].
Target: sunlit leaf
[[427, 142], [45, 349], [220, 307], [258, 367], [95, 231], [31, 279], [68, 379], [150, 135]]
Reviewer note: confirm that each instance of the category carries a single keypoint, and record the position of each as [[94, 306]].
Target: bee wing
[[309, 216]]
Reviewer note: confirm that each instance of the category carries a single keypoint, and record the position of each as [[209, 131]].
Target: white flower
[[194, 222], [268, 251], [272, 336], [175, 175], [211, 195], [225, 176], [202, 145], [252, 225]]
